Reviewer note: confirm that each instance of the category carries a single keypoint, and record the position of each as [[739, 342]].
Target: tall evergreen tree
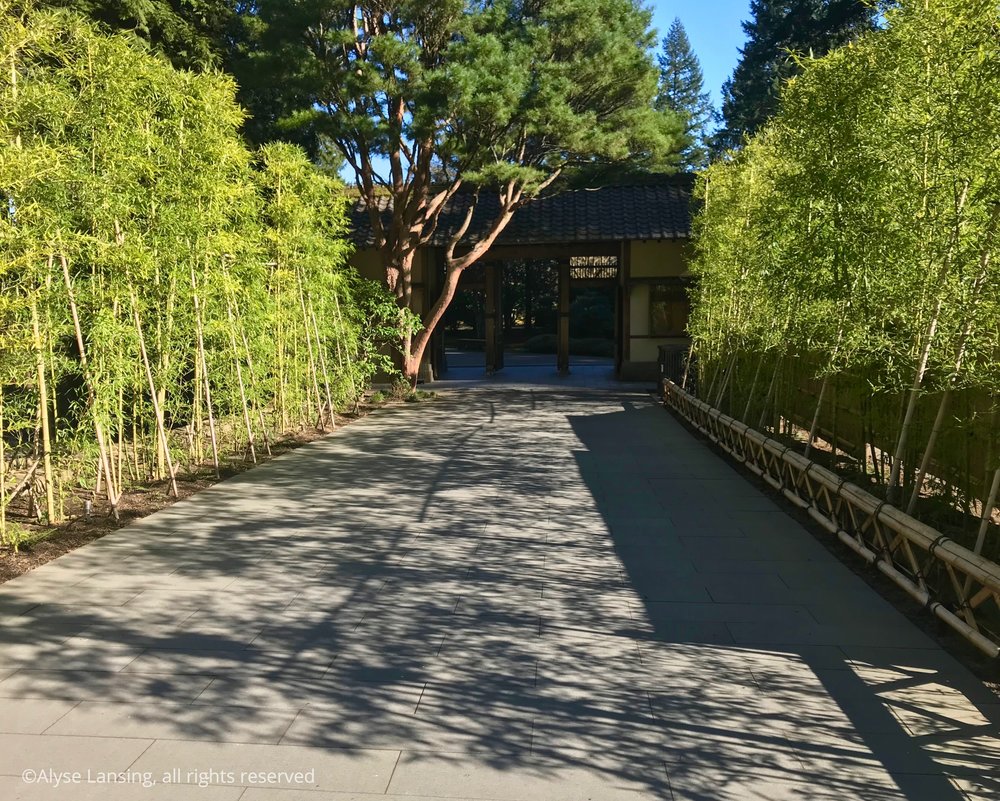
[[778, 31], [682, 86]]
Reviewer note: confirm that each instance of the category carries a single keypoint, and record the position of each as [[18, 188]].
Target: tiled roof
[[653, 209]]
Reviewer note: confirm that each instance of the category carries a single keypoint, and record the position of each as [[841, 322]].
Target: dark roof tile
[[653, 210]]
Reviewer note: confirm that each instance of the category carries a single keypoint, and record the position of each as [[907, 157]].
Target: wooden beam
[[494, 319], [560, 252], [625, 270], [563, 337]]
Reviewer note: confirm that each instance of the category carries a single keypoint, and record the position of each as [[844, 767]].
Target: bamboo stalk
[[753, 386], [91, 391], [309, 350], [687, 363], [253, 379], [989, 503], [135, 437], [239, 378], [157, 410], [3, 471], [346, 358], [988, 506], [43, 414], [322, 363], [200, 333], [892, 493], [280, 347], [726, 376], [25, 482], [967, 329], [770, 391], [814, 428]]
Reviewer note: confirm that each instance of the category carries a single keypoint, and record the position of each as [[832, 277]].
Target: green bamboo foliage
[[169, 300], [851, 250]]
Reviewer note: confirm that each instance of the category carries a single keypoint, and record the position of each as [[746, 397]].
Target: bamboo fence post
[[157, 410], [105, 462]]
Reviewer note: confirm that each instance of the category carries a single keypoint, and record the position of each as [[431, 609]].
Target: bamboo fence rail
[[952, 582]]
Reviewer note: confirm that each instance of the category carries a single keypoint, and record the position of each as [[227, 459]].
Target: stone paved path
[[520, 594]]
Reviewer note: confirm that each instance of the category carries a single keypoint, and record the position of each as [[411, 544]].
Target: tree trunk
[[411, 365]]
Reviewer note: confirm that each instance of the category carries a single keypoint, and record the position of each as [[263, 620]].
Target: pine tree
[[681, 91], [779, 31]]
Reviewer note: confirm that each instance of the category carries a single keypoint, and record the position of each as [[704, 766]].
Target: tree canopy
[[858, 232], [779, 33], [191, 33], [426, 99], [163, 288]]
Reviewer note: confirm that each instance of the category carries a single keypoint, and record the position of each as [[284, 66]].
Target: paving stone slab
[[127, 786], [30, 715], [88, 685], [171, 721], [560, 607], [523, 779], [352, 770], [20, 752]]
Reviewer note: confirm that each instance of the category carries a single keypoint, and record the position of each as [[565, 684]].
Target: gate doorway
[[533, 313]]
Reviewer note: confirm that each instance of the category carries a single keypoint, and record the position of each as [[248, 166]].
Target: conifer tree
[[777, 33], [682, 86]]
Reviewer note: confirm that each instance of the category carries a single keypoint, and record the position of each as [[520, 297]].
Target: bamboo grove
[[169, 300], [848, 264]]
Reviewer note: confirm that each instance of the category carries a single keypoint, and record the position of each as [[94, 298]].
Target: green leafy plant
[[169, 299], [847, 259]]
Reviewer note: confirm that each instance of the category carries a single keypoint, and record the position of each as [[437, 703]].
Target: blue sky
[[713, 26]]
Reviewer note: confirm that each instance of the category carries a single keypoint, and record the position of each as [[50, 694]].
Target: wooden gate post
[[494, 318], [562, 361]]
